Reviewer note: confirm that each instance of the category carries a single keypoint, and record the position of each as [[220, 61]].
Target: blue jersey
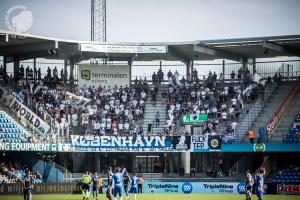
[[260, 180], [134, 181], [117, 179]]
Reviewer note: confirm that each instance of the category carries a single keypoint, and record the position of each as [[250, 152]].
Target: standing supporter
[[251, 136], [157, 118], [100, 184], [140, 184]]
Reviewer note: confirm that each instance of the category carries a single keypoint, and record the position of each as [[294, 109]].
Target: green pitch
[[158, 197]]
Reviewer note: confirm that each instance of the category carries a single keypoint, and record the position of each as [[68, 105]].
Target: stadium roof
[[27, 46]]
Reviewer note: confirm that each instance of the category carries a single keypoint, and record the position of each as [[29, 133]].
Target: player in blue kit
[[134, 185], [260, 184], [117, 182]]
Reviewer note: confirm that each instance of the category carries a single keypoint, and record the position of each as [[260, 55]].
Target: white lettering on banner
[[117, 142], [199, 142], [127, 142], [139, 142], [105, 75], [29, 116], [26, 147], [106, 48], [192, 187]]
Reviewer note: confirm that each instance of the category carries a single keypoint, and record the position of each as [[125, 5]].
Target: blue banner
[[194, 187]]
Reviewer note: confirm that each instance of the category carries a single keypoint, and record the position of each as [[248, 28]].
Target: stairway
[[152, 107], [271, 105], [253, 111], [286, 121], [48, 171]]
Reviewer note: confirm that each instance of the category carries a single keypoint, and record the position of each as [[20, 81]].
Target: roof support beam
[[277, 47], [178, 55], [205, 49], [23, 48]]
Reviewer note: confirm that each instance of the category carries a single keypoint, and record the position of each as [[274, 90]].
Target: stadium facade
[[261, 74]]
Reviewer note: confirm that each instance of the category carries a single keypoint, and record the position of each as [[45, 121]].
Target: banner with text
[[105, 75], [205, 142], [193, 119], [36, 122], [193, 187], [126, 144], [111, 48], [28, 147]]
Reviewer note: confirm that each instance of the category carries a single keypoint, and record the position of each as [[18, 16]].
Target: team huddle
[[118, 182]]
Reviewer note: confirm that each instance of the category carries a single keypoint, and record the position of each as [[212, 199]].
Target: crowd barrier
[[161, 188]]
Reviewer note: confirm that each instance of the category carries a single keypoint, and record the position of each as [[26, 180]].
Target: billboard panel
[[104, 75]]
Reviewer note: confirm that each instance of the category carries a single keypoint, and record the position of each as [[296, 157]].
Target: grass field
[[159, 197]]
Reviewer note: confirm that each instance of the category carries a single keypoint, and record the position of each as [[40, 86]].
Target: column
[[65, 75], [192, 67], [34, 70], [188, 71], [223, 68], [71, 78], [16, 66], [245, 65], [254, 66], [4, 64], [130, 64], [98, 162], [186, 161]]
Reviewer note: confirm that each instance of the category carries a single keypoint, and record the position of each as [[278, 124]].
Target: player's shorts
[[95, 189], [117, 190], [259, 194], [248, 188], [85, 186], [133, 190]]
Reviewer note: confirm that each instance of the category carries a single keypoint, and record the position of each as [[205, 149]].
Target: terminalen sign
[[104, 75], [127, 144], [27, 147]]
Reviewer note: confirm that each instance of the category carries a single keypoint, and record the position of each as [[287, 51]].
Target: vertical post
[[186, 161], [130, 65], [4, 64], [254, 66], [65, 71], [245, 65], [71, 79], [34, 70], [188, 71], [160, 64], [223, 68], [16, 66]]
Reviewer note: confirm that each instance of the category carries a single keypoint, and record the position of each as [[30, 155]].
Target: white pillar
[[186, 161]]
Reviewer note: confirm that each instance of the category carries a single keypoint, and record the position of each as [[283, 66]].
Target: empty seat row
[[7, 125], [10, 130], [10, 135]]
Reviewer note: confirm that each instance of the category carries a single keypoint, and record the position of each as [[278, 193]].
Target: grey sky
[[163, 20]]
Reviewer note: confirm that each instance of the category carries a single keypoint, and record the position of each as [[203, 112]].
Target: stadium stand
[[287, 175], [109, 111], [293, 135], [10, 131], [14, 172]]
